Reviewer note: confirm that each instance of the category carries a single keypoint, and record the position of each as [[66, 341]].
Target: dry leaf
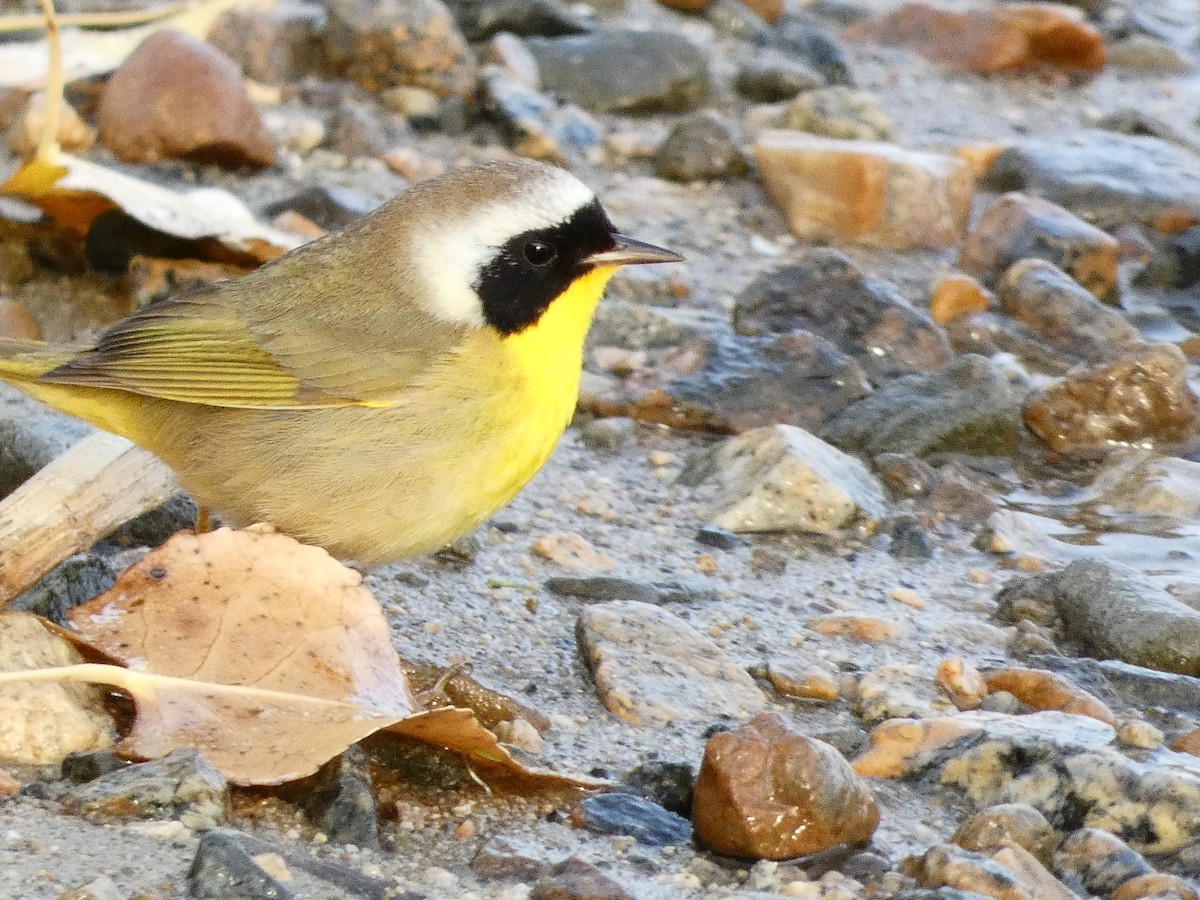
[[90, 53], [75, 191], [42, 723]]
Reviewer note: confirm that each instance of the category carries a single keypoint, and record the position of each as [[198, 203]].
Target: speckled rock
[[536, 125], [1106, 178], [999, 826], [898, 691], [1099, 860], [615, 70], [825, 292], [1011, 874], [701, 147], [384, 44], [652, 667], [1141, 398], [968, 406], [782, 478], [176, 96], [1018, 227], [768, 792], [865, 191], [182, 785], [838, 112], [1058, 310]]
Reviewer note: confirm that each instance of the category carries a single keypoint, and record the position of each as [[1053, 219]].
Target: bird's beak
[[628, 252]]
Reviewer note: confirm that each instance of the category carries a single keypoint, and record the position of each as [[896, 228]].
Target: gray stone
[[536, 125], [838, 112], [650, 667], [182, 785], [803, 39], [328, 205], [669, 784], [602, 588], [29, 439], [616, 70], [782, 478], [625, 814], [773, 78], [701, 147], [825, 292], [968, 406], [1108, 179], [1139, 687], [75, 580], [480, 19], [222, 869]]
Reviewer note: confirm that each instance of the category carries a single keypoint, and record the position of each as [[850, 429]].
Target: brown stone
[[1141, 398], [571, 551], [766, 791], [1008, 824], [1059, 311], [74, 134], [688, 6], [576, 879], [16, 321], [865, 191], [962, 683], [1018, 227], [1045, 690], [989, 41], [1158, 886], [1099, 860], [767, 10], [177, 96], [795, 677], [957, 295], [859, 628], [1188, 743], [900, 747]]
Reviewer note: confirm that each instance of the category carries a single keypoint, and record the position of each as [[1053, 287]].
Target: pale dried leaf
[[43, 722]]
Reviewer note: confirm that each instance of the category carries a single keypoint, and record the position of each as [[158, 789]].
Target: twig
[[48, 146]]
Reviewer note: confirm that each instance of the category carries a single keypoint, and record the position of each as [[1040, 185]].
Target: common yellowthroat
[[377, 392]]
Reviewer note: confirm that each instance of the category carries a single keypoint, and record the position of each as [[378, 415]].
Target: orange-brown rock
[[766, 791], [899, 747], [688, 6], [767, 10], [1158, 886], [962, 683], [16, 321], [1018, 227], [177, 96], [1188, 743], [1045, 690], [865, 191], [1003, 38], [956, 295], [1140, 398], [860, 628]]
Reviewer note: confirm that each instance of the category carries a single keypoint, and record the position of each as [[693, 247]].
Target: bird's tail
[[22, 363]]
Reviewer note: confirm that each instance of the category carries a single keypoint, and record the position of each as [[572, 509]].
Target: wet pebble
[[616, 70], [177, 96], [1144, 483], [1018, 227], [962, 683], [1024, 878], [651, 666], [865, 191], [719, 538], [825, 292], [182, 785], [1058, 310], [1099, 860], [701, 147], [773, 78], [968, 406], [668, 784], [767, 791], [1141, 398], [807, 679], [379, 45], [223, 870], [998, 826], [783, 478], [626, 814], [838, 112]]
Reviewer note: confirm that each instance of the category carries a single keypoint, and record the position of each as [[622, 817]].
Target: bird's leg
[[203, 519]]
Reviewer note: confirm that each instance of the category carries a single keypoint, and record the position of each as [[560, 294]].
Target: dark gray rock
[[73, 581], [481, 19], [719, 538], [616, 70], [1136, 686], [28, 441], [330, 206], [81, 767], [669, 784], [646, 822], [1107, 179], [770, 79], [182, 785], [800, 38], [346, 811], [535, 124], [602, 588], [1117, 613], [1098, 860], [907, 539], [701, 147], [968, 406], [154, 527], [825, 292], [1186, 248], [222, 869]]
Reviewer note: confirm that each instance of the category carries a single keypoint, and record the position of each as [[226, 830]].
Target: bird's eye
[[539, 253]]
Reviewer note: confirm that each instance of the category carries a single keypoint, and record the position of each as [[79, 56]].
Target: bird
[[380, 391]]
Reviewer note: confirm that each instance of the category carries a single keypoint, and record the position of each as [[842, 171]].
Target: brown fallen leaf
[[267, 655]]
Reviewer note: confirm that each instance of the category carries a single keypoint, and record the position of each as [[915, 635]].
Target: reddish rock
[[177, 96], [957, 295], [1018, 227], [1045, 690], [1056, 309], [1141, 398], [766, 791], [1005, 38], [865, 191], [400, 42]]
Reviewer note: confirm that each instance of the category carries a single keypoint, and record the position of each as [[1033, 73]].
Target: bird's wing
[[199, 350]]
